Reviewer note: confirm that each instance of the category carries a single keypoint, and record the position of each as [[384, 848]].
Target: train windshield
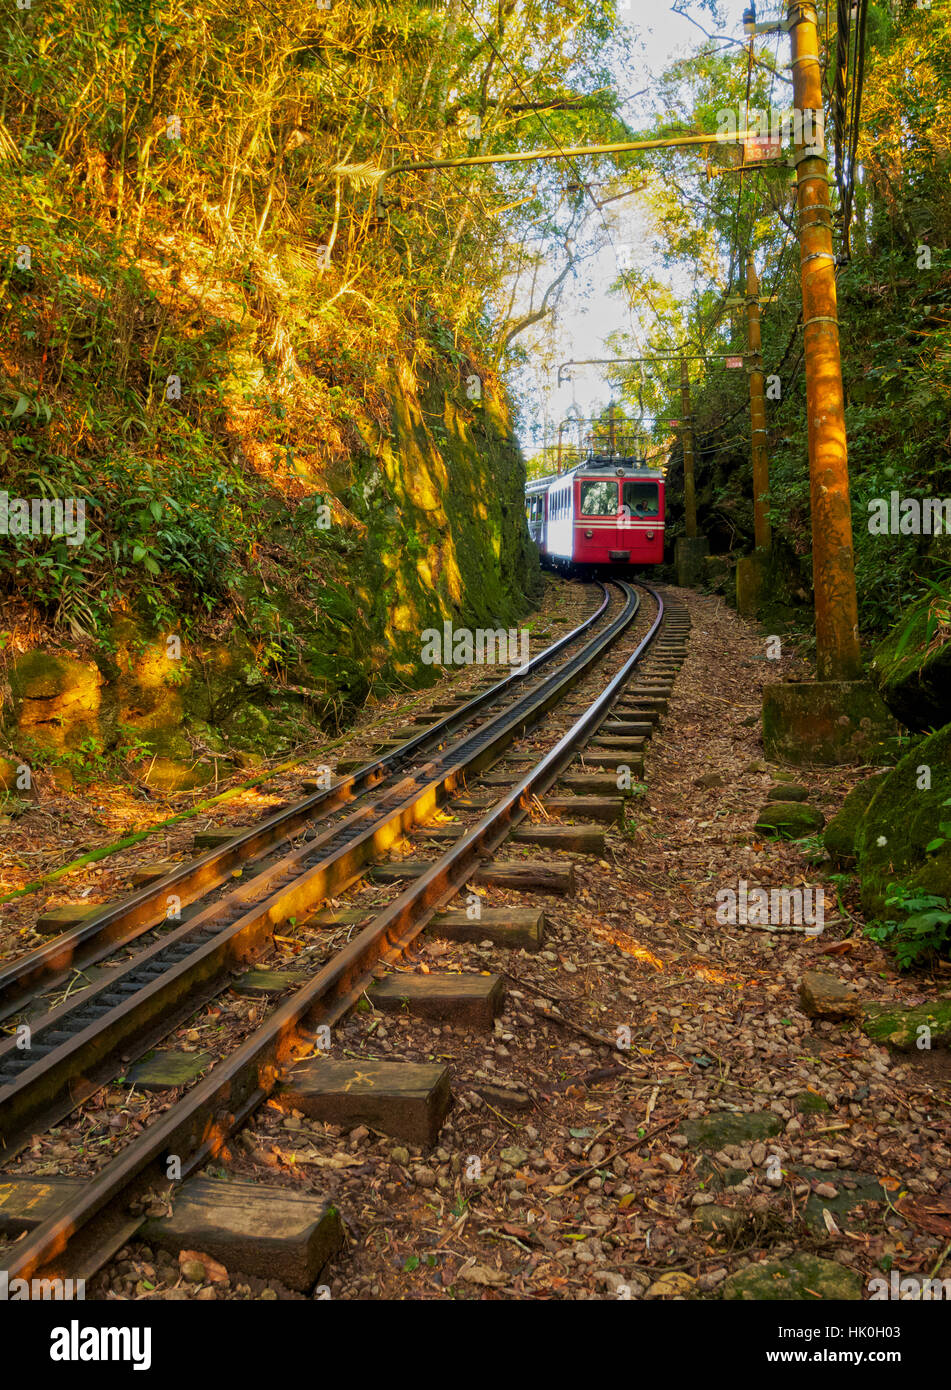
[[641, 498], [599, 498]]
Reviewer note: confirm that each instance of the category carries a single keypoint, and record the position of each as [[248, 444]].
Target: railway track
[[490, 761]]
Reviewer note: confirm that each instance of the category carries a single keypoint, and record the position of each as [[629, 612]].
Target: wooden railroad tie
[[164, 1070], [266, 982], [520, 929], [582, 839], [54, 920], [598, 808], [270, 1232], [407, 1100], [471, 1001], [150, 873], [611, 757], [515, 927], [217, 836], [591, 783], [521, 875]]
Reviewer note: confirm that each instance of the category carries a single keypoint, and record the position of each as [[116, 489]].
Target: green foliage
[[922, 934], [894, 296], [194, 185], [942, 839]]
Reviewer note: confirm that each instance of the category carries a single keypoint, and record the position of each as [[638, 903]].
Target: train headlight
[[649, 535], [588, 535]]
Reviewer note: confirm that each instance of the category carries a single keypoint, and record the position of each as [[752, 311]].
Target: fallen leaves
[[481, 1274], [932, 1214]]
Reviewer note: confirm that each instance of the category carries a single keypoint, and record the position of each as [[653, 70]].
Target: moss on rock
[[801, 1277], [902, 818], [59, 700], [903, 1028], [788, 820], [826, 722], [853, 1189], [728, 1127], [840, 834], [913, 675], [788, 791], [808, 1103], [8, 774]]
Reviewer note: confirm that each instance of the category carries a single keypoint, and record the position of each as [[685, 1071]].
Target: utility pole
[[612, 428], [761, 529], [837, 635], [690, 495], [560, 428]]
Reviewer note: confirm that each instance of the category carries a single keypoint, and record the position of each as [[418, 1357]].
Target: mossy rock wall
[[902, 818], [427, 525], [912, 673], [839, 835]]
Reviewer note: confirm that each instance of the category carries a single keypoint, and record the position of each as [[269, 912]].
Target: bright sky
[[588, 313]]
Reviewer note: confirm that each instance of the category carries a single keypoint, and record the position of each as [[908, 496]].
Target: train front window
[[641, 498], [599, 498]]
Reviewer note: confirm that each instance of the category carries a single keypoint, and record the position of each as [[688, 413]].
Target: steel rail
[[144, 911], [198, 1126], [75, 1047]]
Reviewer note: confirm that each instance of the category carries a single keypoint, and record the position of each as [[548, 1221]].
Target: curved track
[[80, 1045]]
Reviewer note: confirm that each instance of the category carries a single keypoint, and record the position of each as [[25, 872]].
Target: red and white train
[[607, 512]]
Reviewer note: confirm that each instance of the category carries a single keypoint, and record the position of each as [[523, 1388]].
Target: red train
[[607, 512]]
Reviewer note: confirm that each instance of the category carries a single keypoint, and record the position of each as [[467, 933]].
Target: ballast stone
[[824, 996]]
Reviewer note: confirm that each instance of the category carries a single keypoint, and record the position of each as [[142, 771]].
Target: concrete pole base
[[750, 578], [828, 722], [689, 555]]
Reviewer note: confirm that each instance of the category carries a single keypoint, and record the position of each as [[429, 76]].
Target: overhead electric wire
[[854, 123], [842, 59]]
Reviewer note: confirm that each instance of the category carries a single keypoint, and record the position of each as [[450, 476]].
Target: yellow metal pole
[[690, 497], [761, 528], [838, 656]]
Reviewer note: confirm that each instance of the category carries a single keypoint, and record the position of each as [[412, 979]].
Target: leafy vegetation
[[206, 322], [894, 288], [923, 933]]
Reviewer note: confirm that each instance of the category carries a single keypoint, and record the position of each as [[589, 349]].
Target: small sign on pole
[[762, 147], [734, 361]]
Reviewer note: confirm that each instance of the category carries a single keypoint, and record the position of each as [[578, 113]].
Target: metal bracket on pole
[[768, 26]]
